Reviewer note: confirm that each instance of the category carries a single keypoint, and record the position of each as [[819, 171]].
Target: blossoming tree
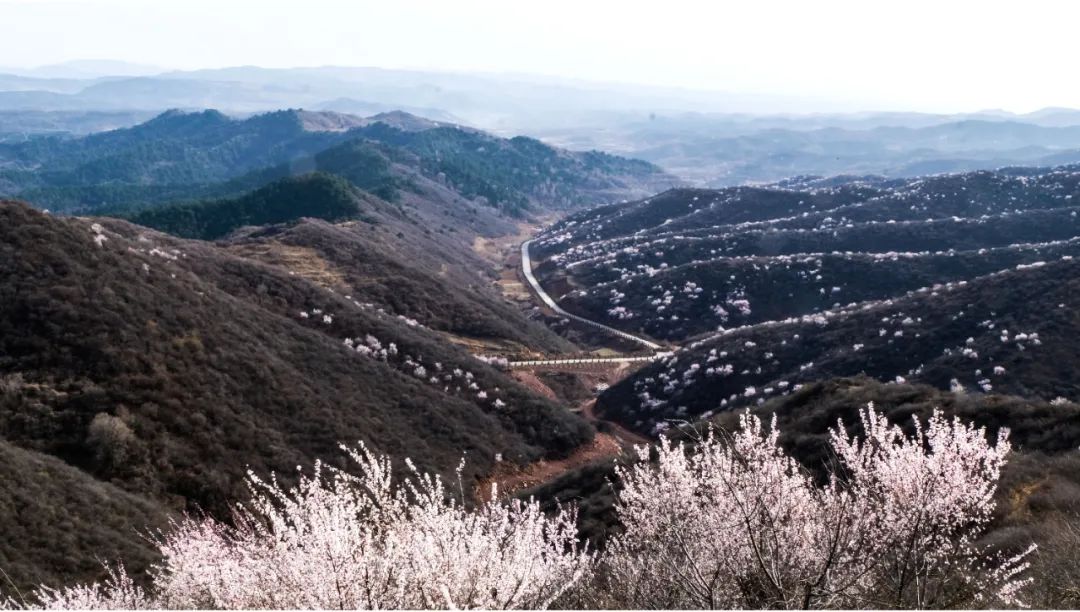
[[355, 541], [737, 523], [733, 522]]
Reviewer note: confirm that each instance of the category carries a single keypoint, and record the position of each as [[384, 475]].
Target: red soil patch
[[511, 479], [534, 384]]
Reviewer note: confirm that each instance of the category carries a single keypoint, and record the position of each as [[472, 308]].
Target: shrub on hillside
[[110, 438]]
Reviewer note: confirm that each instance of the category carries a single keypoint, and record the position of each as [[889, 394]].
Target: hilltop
[[181, 155]]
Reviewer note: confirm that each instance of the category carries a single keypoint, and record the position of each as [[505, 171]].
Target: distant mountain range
[[708, 138], [179, 155], [722, 150], [86, 69]]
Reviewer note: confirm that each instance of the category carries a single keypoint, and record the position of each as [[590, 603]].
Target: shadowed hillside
[[60, 522], [383, 253], [1010, 332], [314, 195], [168, 367]]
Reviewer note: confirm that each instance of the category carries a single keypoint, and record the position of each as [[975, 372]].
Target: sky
[[913, 55]]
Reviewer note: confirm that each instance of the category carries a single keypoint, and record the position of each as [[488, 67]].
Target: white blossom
[[355, 541], [736, 523]]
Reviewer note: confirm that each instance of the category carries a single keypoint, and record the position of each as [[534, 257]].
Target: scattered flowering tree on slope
[[339, 540], [737, 523]]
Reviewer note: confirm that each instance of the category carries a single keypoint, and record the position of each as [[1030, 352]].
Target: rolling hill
[[1008, 331], [180, 155], [265, 289], [689, 262], [256, 291], [959, 281], [321, 196], [164, 368]]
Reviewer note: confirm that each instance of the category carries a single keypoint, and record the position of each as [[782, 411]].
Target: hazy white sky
[[919, 55]]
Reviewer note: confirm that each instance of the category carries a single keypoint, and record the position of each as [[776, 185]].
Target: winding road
[[610, 442], [550, 302]]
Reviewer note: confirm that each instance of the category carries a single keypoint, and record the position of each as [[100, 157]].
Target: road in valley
[[510, 479], [526, 269]]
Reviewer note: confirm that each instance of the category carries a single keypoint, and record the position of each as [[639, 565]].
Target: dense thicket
[[59, 522], [317, 195], [186, 151], [366, 164], [511, 173]]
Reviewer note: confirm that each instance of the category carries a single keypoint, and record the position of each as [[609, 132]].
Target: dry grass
[[300, 261], [511, 287], [1019, 497], [498, 249], [534, 384], [488, 346]]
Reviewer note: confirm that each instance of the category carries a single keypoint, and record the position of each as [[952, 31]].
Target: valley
[[261, 314], [413, 305], [199, 296], [803, 301]]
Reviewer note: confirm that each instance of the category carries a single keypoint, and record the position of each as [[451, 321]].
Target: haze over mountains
[[705, 138], [185, 155]]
